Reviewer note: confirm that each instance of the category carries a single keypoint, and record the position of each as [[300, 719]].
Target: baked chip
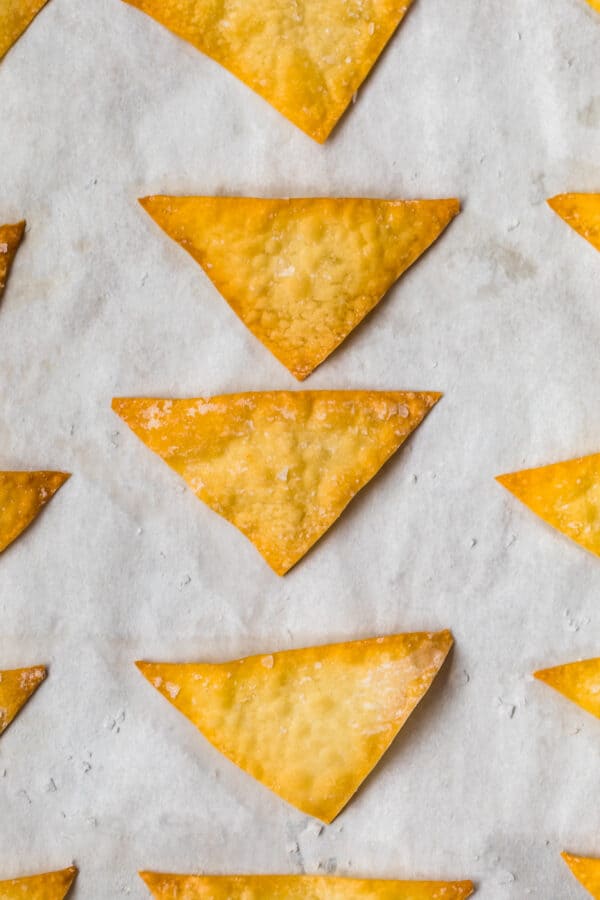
[[16, 687], [280, 465], [578, 681], [10, 238], [308, 724], [298, 887], [22, 496], [301, 274], [580, 211], [15, 17], [307, 60], [53, 886], [585, 869], [566, 495], [595, 4]]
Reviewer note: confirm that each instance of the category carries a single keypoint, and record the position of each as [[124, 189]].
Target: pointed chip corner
[[555, 202], [542, 675], [444, 638], [70, 875], [149, 878], [143, 667]]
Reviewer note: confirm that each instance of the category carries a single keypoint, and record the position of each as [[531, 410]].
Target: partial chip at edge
[[298, 887], [16, 688], [580, 211], [10, 239], [22, 497], [51, 886], [309, 724], [586, 870], [578, 681], [15, 18], [308, 62]]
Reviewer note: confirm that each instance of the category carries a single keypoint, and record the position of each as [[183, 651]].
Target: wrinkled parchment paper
[[497, 103]]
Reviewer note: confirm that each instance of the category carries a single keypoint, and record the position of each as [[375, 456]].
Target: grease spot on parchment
[[589, 115]]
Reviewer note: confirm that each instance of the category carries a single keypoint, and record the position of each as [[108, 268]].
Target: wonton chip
[[586, 870], [298, 887], [22, 496], [302, 273], [280, 465], [306, 60], [10, 238], [564, 494], [16, 687], [595, 4], [578, 681], [580, 211], [53, 886], [309, 724], [15, 17]]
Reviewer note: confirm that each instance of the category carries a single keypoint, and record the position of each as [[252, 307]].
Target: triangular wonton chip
[[309, 724], [298, 887], [307, 60], [580, 211], [22, 496], [15, 18], [302, 273], [586, 870], [579, 681], [564, 494], [280, 465], [16, 687], [52, 886], [595, 4], [10, 238]]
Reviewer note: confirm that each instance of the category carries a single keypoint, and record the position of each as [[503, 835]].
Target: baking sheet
[[495, 774]]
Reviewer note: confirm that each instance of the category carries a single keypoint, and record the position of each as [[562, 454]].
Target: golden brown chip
[[302, 273], [53, 886], [595, 4], [22, 496], [580, 211], [15, 18], [16, 687], [579, 681], [307, 60], [298, 887], [309, 724], [280, 465], [586, 871], [564, 494], [10, 238]]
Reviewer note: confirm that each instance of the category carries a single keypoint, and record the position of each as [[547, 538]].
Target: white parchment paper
[[498, 103]]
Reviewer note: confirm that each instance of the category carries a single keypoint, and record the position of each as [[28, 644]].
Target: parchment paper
[[498, 103]]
